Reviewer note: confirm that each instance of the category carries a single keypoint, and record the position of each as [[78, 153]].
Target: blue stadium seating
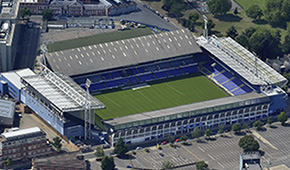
[[151, 68], [209, 67], [247, 89], [237, 81], [189, 60], [106, 76], [161, 74], [175, 72], [165, 65], [133, 80], [239, 91], [141, 69], [97, 87], [146, 77], [115, 74], [190, 69], [220, 78], [95, 78], [124, 81], [81, 80], [135, 71], [176, 63], [230, 85], [112, 83], [129, 72]]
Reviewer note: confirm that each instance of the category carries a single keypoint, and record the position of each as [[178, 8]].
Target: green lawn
[[97, 39], [158, 96], [248, 3]]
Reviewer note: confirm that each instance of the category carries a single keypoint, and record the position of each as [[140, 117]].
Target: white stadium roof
[[242, 61], [66, 96]]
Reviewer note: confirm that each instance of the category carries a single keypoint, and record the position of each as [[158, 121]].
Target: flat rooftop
[[122, 53], [64, 161], [23, 132], [7, 108], [244, 98], [15, 76]]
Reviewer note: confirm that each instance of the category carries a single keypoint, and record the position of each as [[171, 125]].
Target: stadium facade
[[253, 86], [55, 98]]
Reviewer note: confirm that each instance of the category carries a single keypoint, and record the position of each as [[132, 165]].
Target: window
[[185, 114], [172, 117]]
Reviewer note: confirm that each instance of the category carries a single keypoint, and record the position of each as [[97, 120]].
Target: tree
[[221, 129], [46, 14], [258, 124], [196, 133], [174, 7], [270, 120], [25, 12], [120, 148], [282, 118], [183, 138], [57, 143], [99, 152], [108, 163], [219, 7], [208, 133], [254, 12], [277, 12], [171, 139], [167, 165], [265, 43], [9, 162], [193, 17], [236, 127], [286, 44], [232, 32], [248, 143], [201, 165], [246, 126]]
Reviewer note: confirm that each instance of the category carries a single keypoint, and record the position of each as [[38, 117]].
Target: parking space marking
[[210, 156], [221, 165], [190, 153], [200, 149]]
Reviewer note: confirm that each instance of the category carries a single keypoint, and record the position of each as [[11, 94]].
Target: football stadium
[[169, 83]]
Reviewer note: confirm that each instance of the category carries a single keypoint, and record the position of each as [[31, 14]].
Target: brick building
[[23, 145]]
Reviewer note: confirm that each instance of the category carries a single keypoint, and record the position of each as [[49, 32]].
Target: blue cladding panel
[[12, 90], [40, 110]]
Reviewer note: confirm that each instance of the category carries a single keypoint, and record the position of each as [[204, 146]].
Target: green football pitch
[[158, 96]]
